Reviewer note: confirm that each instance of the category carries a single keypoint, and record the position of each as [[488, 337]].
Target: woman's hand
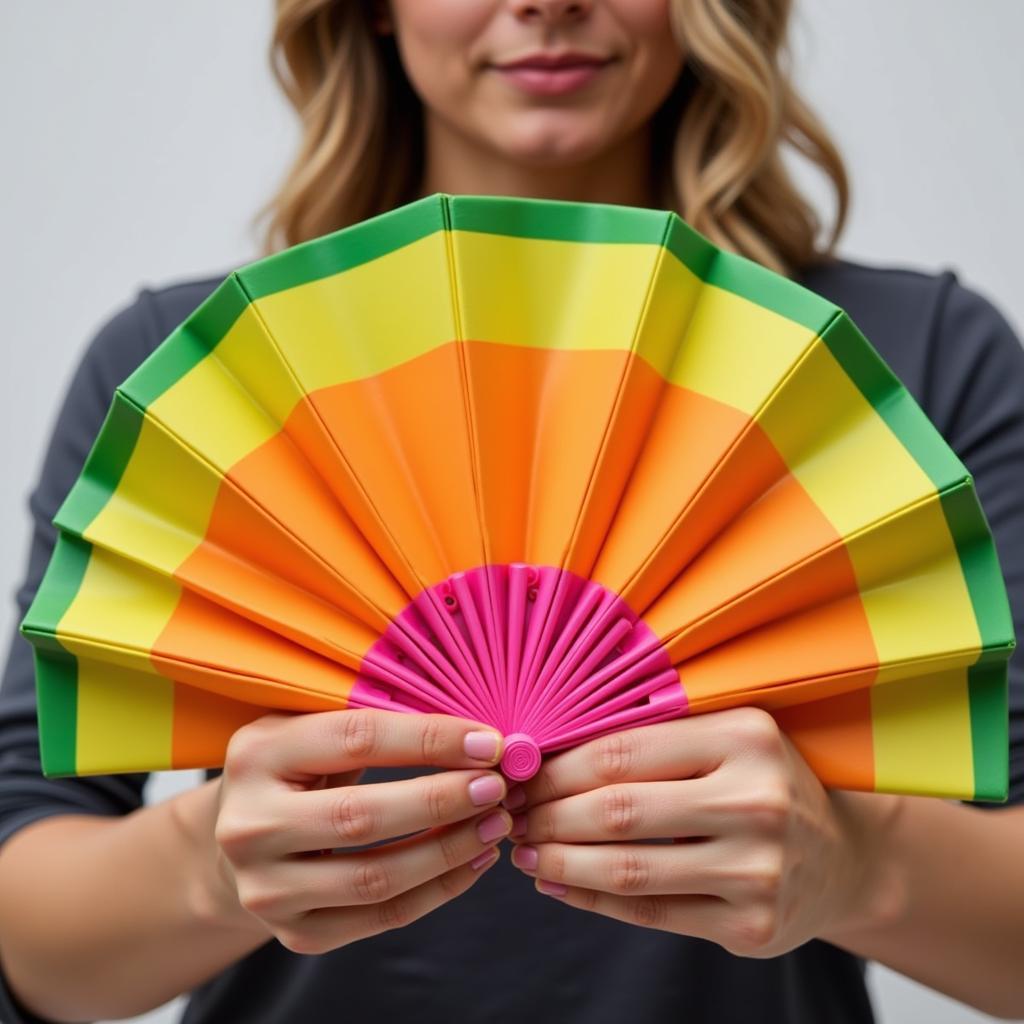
[[289, 795], [764, 859]]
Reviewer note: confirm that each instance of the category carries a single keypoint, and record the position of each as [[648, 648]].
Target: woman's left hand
[[764, 857]]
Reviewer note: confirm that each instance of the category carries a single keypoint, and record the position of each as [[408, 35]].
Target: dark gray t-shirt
[[501, 950]]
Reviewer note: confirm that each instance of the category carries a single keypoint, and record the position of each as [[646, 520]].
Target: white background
[[139, 136]]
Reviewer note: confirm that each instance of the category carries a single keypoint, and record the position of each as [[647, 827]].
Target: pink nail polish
[[483, 858], [494, 826], [526, 857], [551, 888], [516, 798], [481, 745], [485, 790]]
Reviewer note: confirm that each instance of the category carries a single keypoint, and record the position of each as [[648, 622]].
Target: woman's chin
[[549, 147]]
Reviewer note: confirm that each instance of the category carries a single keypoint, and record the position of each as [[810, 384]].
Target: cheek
[[436, 40], [646, 19], [657, 58]]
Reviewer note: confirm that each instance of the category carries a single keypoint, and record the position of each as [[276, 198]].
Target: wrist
[[209, 891], [874, 878]]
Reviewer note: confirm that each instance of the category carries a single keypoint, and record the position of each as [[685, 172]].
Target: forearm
[[943, 897], [109, 917]]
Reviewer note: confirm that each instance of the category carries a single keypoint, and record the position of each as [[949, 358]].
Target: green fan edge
[[56, 667], [972, 538], [342, 250]]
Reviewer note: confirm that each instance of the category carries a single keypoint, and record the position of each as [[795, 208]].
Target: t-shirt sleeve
[[974, 393]]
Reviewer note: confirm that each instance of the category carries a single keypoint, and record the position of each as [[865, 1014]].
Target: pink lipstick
[[552, 74]]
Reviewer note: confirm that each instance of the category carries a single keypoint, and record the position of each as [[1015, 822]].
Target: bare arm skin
[[109, 917], [770, 859], [954, 919]]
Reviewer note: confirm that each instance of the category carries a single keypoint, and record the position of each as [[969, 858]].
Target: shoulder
[[170, 303], [948, 343], [114, 351], [132, 332]]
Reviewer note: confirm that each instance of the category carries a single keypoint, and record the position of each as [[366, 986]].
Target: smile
[[552, 75]]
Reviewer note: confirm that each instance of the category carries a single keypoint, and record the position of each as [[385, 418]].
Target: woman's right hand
[[288, 797]]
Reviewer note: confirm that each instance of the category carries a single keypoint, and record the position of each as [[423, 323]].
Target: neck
[[459, 166]]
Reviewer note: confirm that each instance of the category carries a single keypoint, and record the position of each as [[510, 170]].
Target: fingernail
[[494, 826], [516, 798], [486, 789], [481, 745], [526, 857], [518, 825], [551, 888], [483, 858]]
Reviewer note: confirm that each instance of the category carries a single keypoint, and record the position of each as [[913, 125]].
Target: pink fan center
[[544, 656]]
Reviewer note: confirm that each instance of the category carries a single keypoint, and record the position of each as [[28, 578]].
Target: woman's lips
[[547, 76]]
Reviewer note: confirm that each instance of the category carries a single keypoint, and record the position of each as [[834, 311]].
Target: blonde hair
[[718, 138]]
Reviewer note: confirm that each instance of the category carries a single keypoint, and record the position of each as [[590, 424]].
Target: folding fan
[[560, 468]]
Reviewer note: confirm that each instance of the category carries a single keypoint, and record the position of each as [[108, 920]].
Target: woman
[[108, 908]]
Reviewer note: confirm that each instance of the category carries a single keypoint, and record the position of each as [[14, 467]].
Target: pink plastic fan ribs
[[551, 659]]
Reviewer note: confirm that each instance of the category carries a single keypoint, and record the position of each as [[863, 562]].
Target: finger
[[703, 917], [296, 885], [631, 810], [306, 820], [322, 930], [298, 747], [683, 748], [632, 869]]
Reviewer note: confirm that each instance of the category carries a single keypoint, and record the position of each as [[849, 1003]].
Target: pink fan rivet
[[521, 758]]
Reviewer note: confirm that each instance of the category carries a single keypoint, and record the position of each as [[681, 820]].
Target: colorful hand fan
[[560, 468]]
